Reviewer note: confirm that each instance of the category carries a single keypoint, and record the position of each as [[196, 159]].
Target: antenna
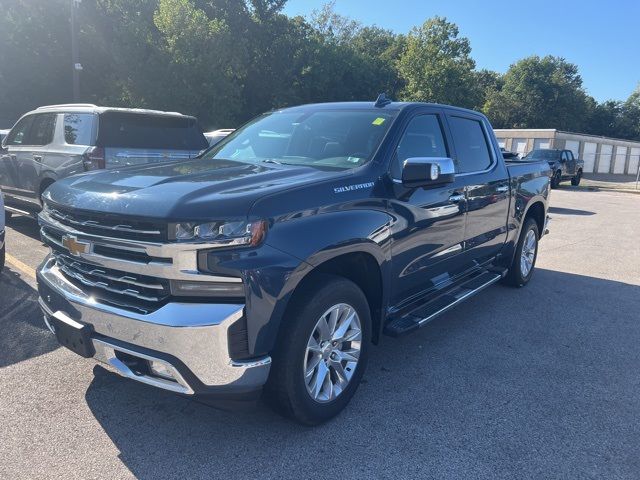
[[382, 100]]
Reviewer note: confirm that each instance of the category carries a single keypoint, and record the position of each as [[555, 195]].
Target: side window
[[565, 156], [18, 134], [77, 128], [41, 132], [471, 144], [422, 138]]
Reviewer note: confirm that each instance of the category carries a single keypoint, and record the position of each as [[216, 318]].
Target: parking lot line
[[24, 268]]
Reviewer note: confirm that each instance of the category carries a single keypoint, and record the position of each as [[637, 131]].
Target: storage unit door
[[589, 156], [539, 143], [519, 145], [574, 146], [621, 159], [634, 161], [606, 151]]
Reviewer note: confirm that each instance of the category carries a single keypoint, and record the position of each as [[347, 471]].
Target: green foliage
[[539, 93], [228, 60], [437, 66]]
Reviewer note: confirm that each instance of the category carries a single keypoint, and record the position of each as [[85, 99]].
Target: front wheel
[[575, 181], [524, 260], [322, 351]]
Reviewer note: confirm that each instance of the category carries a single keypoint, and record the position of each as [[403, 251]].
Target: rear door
[[137, 138], [483, 176], [33, 156], [428, 230]]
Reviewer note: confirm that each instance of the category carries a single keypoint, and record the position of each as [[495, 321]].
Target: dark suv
[[57, 141]]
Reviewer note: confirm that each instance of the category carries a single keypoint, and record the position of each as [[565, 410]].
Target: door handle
[[456, 197], [502, 189], [37, 158]]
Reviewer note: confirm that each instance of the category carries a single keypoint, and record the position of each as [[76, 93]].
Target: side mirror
[[427, 171]]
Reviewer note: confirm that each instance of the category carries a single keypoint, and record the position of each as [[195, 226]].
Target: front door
[[15, 141], [570, 162], [428, 228]]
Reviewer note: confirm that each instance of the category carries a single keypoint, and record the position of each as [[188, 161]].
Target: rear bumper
[[190, 340]]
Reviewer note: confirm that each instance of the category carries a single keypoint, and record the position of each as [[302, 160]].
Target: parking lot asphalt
[[539, 382]]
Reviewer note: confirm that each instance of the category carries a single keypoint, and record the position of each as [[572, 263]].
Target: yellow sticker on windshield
[[378, 121]]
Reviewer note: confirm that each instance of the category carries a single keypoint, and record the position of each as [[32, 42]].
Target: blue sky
[[601, 37]]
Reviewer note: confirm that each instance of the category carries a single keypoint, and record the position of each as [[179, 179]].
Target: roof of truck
[[392, 106], [91, 108]]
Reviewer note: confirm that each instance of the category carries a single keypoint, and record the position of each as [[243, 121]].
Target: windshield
[[334, 139], [543, 155]]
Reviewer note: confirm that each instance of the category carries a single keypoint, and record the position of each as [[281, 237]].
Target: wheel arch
[[536, 211], [362, 266], [46, 181]]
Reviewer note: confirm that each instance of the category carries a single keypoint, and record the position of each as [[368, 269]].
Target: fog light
[[161, 369], [207, 289]]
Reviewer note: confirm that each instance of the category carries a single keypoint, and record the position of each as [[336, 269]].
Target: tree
[[539, 93], [436, 65], [35, 58]]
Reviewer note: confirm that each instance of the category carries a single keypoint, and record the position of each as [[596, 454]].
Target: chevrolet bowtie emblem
[[75, 247]]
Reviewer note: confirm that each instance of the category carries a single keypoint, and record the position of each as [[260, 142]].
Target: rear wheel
[[556, 179], [322, 353], [575, 181], [524, 260]]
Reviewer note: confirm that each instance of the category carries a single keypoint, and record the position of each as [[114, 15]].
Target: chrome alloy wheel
[[332, 353], [528, 253]]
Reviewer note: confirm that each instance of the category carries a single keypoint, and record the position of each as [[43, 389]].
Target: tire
[[288, 389], [575, 181], [556, 179], [517, 276]]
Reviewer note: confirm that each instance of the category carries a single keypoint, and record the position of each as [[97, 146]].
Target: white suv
[[57, 141]]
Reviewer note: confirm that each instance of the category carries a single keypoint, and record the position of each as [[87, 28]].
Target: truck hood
[[200, 189]]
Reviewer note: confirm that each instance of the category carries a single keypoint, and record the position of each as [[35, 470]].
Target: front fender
[[314, 240]]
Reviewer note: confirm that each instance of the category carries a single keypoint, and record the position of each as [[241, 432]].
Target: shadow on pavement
[[23, 334], [515, 382], [570, 211], [25, 225]]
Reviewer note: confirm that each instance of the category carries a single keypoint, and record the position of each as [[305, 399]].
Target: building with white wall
[[600, 154]]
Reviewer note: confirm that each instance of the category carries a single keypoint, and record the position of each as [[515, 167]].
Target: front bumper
[[189, 339]]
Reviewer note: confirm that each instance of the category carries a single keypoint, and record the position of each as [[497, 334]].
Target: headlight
[[221, 234]]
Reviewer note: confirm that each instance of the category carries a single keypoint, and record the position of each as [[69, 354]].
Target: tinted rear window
[[132, 130]]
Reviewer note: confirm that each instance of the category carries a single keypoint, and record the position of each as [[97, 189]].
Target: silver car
[[54, 142]]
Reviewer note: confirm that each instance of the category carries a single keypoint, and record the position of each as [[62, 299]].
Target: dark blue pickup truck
[[270, 264]]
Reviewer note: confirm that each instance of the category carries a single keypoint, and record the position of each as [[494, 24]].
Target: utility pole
[[75, 62]]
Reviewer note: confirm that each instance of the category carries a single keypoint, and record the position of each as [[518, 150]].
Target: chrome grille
[[109, 225], [124, 289]]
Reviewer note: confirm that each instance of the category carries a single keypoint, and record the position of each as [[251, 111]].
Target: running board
[[17, 211], [441, 304]]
